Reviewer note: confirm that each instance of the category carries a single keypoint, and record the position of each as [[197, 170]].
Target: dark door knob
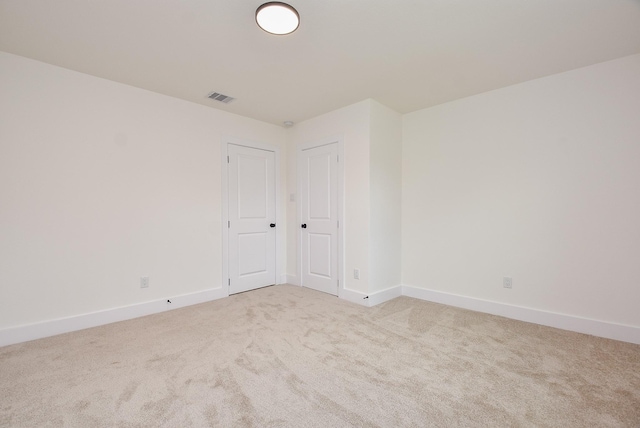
[[272, 225], [304, 225]]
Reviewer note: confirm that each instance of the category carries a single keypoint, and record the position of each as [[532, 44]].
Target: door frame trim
[[226, 141], [312, 145]]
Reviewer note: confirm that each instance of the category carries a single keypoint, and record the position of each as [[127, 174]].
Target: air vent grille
[[220, 97]]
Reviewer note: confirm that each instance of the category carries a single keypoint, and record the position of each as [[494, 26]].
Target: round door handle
[[272, 225], [304, 225]]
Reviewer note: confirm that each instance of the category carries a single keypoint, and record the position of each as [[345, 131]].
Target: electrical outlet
[[507, 282], [356, 274], [144, 282]]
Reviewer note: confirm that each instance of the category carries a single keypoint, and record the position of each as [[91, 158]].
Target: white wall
[[385, 185], [101, 183], [372, 135], [540, 182], [352, 124]]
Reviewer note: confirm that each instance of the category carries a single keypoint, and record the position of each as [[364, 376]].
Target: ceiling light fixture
[[277, 18]]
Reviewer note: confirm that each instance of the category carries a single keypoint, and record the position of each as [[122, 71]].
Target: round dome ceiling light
[[277, 18]]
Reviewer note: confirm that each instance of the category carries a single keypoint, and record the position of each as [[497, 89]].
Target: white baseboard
[[24, 333], [385, 295], [371, 299], [625, 333], [292, 279], [607, 330], [354, 296]]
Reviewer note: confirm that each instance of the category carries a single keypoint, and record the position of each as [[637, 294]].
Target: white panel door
[[252, 218], [319, 215]]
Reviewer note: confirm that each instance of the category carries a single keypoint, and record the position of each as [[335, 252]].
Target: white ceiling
[[407, 54]]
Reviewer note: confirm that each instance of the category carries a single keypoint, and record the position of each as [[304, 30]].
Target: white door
[[319, 218], [252, 218]]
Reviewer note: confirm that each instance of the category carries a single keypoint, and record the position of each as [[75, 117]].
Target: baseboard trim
[[593, 327], [625, 333], [385, 295], [24, 333], [292, 279], [354, 296], [371, 299]]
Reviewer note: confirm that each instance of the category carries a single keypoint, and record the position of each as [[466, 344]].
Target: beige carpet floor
[[289, 356]]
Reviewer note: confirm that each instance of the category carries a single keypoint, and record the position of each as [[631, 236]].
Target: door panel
[[320, 254], [320, 187], [253, 248], [252, 242], [319, 214], [252, 189]]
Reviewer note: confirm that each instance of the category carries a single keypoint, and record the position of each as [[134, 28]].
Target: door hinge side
[[229, 224], [227, 159], [229, 282]]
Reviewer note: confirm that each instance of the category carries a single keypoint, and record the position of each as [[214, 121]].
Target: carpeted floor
[[289, 356]]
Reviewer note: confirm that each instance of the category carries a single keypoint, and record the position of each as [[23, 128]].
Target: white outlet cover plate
[[507, 282]]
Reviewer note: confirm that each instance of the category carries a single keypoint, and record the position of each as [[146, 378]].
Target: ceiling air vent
[[219, 97]]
